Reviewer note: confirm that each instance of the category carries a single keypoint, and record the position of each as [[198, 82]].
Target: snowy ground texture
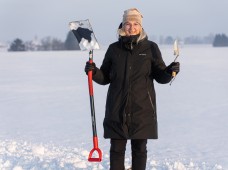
[[45, 119]]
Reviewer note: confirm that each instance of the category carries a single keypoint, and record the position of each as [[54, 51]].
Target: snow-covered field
[[45, 114]]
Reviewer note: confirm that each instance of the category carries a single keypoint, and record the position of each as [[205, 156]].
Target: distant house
[[3, 47], [33, 45]]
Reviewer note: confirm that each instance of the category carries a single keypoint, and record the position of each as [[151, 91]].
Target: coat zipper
[[152, 105]]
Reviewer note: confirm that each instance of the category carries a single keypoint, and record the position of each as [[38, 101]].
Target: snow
[[45, 118]]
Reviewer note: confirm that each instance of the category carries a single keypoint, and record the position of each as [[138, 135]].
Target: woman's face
[[132, 28]]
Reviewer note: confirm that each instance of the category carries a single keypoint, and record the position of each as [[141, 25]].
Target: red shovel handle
[[95, 139], [91, 159]]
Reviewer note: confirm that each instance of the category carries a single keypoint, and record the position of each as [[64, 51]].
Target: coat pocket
[[152, 105]]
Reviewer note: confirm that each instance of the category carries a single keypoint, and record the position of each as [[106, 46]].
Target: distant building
[[3, 47], [33, 45]]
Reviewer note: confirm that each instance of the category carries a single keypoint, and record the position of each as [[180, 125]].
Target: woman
[[130, 65]]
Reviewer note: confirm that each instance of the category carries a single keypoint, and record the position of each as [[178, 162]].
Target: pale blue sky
[[26, 19]]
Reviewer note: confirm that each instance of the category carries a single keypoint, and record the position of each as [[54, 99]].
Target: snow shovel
[[176, 53], [87, 41]]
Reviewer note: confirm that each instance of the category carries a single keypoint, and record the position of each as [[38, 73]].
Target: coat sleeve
[[158, 66], [102, 74]]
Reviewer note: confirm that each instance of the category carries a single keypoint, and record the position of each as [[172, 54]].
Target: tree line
[[220, 40], [187, 40], [50, 44], [46, 44]]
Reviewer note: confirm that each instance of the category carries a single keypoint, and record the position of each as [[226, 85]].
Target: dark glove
[[89, 67], [173, 67]]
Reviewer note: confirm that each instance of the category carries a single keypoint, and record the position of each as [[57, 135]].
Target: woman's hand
[[90, 67], [173, 67]]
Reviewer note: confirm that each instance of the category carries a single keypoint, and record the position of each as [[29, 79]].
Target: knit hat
[[132, 14]]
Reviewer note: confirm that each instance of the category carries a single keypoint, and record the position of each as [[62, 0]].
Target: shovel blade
[[176, 48], [84, 34]]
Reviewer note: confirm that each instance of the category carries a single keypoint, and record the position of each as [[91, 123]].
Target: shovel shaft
[[90, 83], [90, 75], [95, 139], [93, 116], [174, 73]]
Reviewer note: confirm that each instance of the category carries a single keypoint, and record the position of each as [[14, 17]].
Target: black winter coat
[[131, 104]]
